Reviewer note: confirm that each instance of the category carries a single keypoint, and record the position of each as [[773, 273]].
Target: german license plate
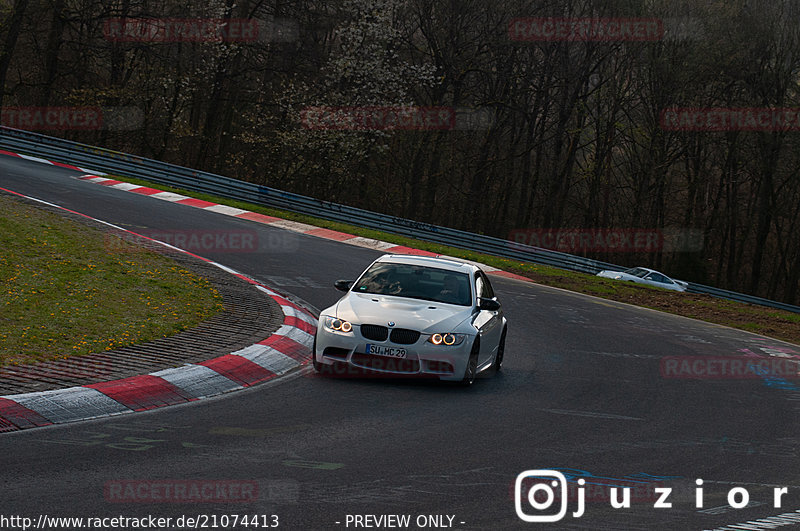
[[391, 352]]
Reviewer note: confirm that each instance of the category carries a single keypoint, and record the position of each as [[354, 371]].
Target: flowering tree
[[364, 68]]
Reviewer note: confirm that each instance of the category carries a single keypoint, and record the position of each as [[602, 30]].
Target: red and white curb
[[287, 348]]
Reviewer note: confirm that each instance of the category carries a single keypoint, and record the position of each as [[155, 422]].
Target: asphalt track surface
[[581, 389]]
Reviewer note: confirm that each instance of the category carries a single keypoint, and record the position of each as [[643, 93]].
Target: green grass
[[793, 317], [68, 289]]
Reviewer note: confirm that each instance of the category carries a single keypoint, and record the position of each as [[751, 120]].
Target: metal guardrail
[[124, 164]]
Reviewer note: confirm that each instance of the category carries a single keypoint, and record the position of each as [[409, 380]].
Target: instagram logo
[[545, 484]]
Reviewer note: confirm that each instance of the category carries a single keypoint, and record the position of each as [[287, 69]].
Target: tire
[[471, 371], [501, 349], [314, 363]]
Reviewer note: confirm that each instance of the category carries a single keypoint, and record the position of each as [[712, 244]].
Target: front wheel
[[472, 365], [501, 349]]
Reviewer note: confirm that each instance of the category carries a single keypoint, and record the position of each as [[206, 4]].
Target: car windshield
[[416, 282], [637, 272]]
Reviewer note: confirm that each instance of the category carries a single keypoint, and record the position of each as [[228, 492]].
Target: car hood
[[415, 314]]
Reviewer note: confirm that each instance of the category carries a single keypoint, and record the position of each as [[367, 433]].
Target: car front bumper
[[423, 359]]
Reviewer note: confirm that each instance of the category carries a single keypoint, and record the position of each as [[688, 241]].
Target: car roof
[[428, 261], [652, 271]]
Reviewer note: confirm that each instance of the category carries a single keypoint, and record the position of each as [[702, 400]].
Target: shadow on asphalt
[[485, 382]]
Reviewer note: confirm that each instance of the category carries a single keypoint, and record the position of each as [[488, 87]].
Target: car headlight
[[337, 325], [447, 339]]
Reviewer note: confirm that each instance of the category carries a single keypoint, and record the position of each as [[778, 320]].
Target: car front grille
[[374, 332], [401, 336], [404, 336]]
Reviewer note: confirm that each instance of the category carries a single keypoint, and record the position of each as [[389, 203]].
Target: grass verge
[[757, 319], [67, 292]]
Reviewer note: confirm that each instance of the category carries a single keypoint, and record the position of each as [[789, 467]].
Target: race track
[[581, 389]]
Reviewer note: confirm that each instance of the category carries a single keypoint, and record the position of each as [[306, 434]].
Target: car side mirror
[[343, 285], [490, 305]]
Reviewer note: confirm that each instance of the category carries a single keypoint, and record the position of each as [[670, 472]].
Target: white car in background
[[417, 316], [643, 275]]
